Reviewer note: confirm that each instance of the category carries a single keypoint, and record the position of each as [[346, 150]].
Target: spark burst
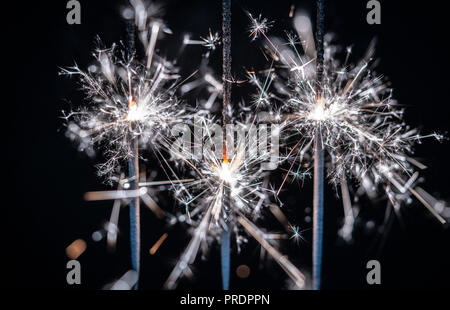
[[363, 134], [131, 105], [126, 100], [231, 186], [365, 140], [237, 183], [211, 41]]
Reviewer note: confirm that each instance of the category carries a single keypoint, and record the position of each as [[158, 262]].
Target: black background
[[44, 208]]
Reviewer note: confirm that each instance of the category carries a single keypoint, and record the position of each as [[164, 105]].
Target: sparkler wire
[[226, 80], [133, 171], [318, 207], [318, 201], [135, 229], [225, 257]]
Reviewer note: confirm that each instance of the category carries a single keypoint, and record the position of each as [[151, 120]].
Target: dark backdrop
[[46, 177]]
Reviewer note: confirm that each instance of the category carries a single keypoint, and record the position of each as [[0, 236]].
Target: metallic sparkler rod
[[226, 81], [133, 171], [318, 207], [226, 60], [318, 200], [135, 227], [319, 47]]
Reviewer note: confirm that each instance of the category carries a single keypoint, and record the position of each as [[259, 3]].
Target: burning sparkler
[[345, 117], [132, 104], [226, 172], [241, 176], [126, 101], [342, 115], [231, 183]]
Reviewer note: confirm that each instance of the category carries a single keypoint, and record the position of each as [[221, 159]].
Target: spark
[[158, 244], [126, 282], [367, 142], [296, 233], [126, 99], [258, 25], [130, 105], [283, 261], [291, 11], [239, 174], [211, 41], [76, 248]]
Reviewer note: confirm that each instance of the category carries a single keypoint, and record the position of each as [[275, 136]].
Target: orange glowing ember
[[76, 248], [158, 243], [131, 104], [224, 155]]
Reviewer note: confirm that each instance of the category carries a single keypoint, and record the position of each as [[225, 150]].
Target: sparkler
[[318, 158], [346, 120], [231, 185], [343, 116], [226, 82], [133, 172], [131, 105], [126, 101], [245, 181]]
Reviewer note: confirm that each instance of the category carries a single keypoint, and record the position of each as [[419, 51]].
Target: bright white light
[[226, 173], [135, 113], [319, 113]]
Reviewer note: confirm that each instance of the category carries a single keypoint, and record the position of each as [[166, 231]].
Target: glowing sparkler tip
[[134, 113], [319, 113], [225, 172], [131, 103]]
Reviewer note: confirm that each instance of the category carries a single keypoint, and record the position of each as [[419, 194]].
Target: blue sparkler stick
[[318, 200], [133, 172], [226, 80]]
